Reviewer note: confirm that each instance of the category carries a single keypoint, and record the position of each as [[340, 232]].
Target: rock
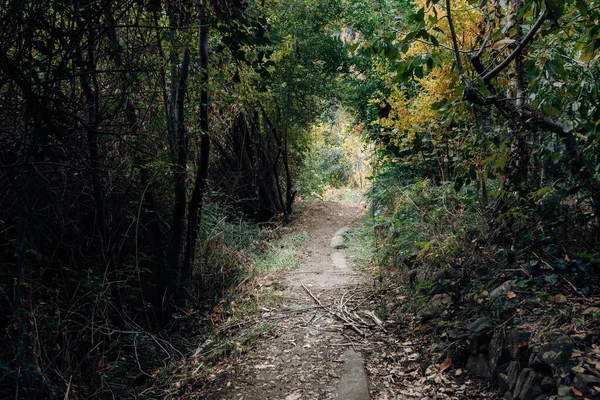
[[506, 347], [556, 354], [502, 378], [337, 242], [533, 268], [528, 385], [507, 379], [582, 268], [559, 266], [548, 385], [516, 344], [552, 250], [496, 352], [478, 365], [353, 384], [498, 298], [436, 306], [564, 391], [481, 325], [551, 279], [585, 382]]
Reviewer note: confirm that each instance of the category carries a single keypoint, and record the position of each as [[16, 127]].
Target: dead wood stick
[[376, 319], [363, 301], [573, 287], [350, 340], [342, 302], [312, 295], [303, 309], [347, 321], [361, 320], [355, 328]]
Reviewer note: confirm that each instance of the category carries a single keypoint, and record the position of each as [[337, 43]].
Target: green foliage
[[419, 222], [334, 156], [361, 246]]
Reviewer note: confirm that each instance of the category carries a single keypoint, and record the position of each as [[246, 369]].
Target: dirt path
[[326, 337], [307, 355]]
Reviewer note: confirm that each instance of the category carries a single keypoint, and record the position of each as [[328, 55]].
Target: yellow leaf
[[511, 295]]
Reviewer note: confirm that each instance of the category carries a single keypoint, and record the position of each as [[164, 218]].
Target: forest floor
[[326, 340]]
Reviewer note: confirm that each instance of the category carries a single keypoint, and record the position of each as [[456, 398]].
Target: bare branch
[[454, 41], [538, 24]]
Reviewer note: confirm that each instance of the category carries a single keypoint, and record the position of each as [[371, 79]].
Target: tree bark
[[179, 172], [196, 202]]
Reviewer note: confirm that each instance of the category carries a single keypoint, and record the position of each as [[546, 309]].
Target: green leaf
[[550, 67], [556, 7], [419, 16], [438, 29], [419, 72], [582, 7], [392, 52], [439, 104], [430, 63], [567, 126]]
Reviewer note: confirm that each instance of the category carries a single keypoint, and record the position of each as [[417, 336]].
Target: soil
[[303, 356], [326, 342]]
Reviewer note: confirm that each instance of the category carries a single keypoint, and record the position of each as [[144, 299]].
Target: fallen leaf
[[418, 328], [522, 346], [578, 370], [511, 295], [567, 259], [590, 310], [503, 43], [446, 364], [576, 392], [294, 396], [458, 372], [264, 366], [596, 388], [575, 354], [559, 299]]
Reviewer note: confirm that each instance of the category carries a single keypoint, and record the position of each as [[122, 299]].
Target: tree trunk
[[179, 174], [195, 206]]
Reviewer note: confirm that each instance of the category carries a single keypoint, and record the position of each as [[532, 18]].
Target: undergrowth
[[240, 260], [92, 335], [432, 238]]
